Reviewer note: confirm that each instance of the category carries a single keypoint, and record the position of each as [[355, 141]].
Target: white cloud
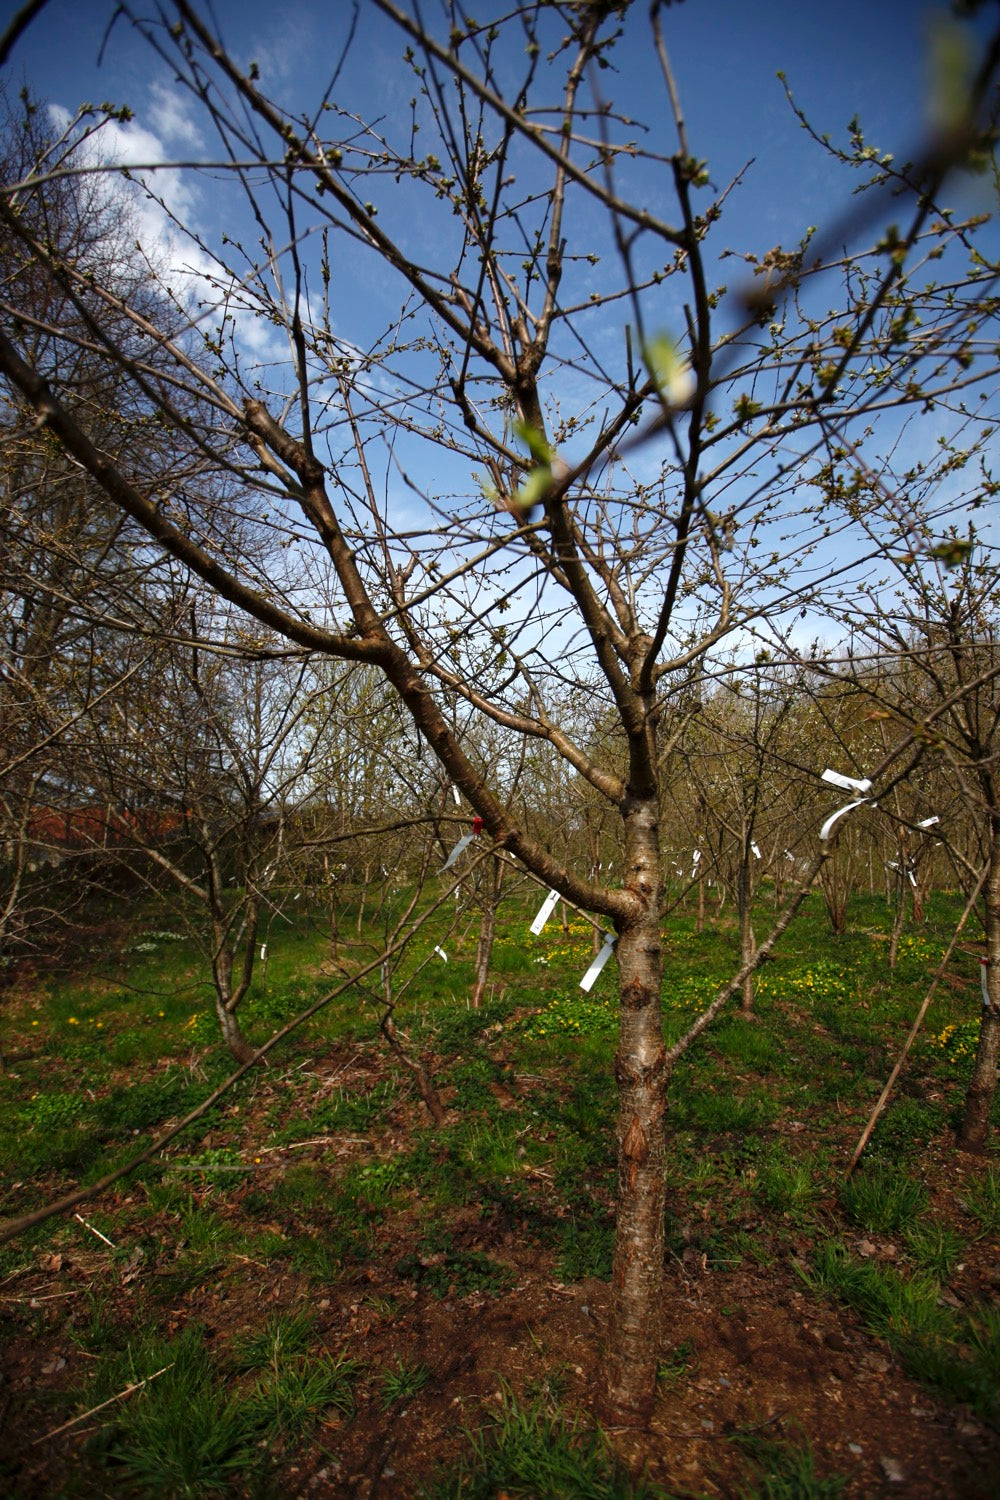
[[169, 117], [167, 214], [130, 144]]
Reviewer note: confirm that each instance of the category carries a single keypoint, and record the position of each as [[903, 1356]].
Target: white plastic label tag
[[462, 845], [587, 982], [548, 906], [849, 783], [825, 831]]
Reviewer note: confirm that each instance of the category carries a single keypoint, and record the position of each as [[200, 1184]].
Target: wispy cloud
[[170, 215], [170, 117]]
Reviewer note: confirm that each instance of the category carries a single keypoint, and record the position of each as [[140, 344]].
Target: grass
[[883, 1200], [933, 1247], [586, 1244], [786, 1470], [282, 1335], [189, 1431], [294, 1392], [183, 1433], [323, 1175], [954, 1353], [789, 1188], [445, 1270], [982, 1201], [401, 1383], [530, 1450]]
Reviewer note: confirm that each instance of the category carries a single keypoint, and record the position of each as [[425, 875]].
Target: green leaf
[[745, 408], [670, 369], [953, 553], [534, 487], [534, 441]]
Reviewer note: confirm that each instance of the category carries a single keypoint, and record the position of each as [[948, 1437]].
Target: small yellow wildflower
[[73, 1021]]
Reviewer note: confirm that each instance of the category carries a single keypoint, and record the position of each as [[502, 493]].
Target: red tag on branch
[[477, 825]]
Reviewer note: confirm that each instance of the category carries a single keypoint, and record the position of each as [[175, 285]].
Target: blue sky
[[869, 59], [840, 59]]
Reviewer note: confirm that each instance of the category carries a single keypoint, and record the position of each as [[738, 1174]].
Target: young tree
[[566, 462], [935, 646], [70, 579], [736, 759]]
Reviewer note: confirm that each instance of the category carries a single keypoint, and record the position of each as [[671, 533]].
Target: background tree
[[736, 755], [938, 665], [73, 576]]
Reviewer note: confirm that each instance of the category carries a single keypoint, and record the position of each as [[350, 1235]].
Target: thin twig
[[738, 1433], [207, 1171], [873, 1117], [43, 1297], [81, 1220], [316, 1140], [85, 1414]]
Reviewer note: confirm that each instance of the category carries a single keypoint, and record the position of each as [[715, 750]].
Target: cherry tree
[[515, 430]]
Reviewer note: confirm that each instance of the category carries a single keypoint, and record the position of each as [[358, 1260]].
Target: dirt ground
[[765, 1357], [749, 1349]]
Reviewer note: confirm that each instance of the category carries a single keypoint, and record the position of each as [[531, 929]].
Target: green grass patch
[[955, 1354], [531, 1450], [785, 1470], [324, 1176], [883, 1199]]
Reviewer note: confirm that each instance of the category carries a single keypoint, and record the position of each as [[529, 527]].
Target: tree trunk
[[233, 1037], [898, 920], [917, 896], [424, 1084], [359, 925], [490, 895], [334, 932], [227, 996], [633, 1346], [982, 1085], [835, 884], [748, 942]]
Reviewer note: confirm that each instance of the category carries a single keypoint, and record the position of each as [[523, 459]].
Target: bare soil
[[763, 1356]]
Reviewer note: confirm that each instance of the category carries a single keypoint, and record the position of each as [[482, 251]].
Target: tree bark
[[233, 1037], [490, 895], [898, 920], [633, 1346], [424, 1084], [983, 1084], [748, 941]]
